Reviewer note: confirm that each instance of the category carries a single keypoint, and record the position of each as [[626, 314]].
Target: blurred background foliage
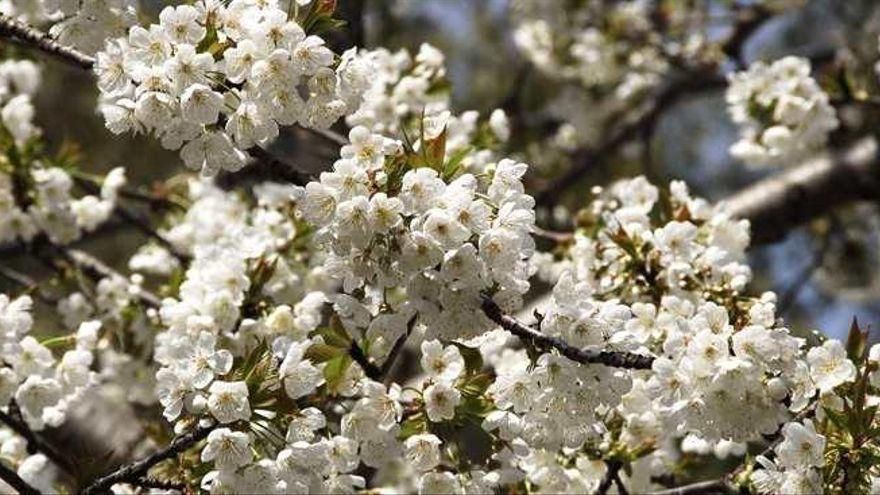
[[823, 279]]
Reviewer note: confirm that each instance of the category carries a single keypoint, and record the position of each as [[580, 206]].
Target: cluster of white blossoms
[[37, 197], [672, 289], [230, 242], [42, 385], [215, 79], [782, 113], [574, 47], [82, 24], [604, 67], [406, 92], [423, 239]]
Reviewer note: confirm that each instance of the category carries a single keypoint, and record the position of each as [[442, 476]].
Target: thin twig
[[132, 473], [159, 484], [329, 135], [719, 485], [372, 371], [395, 351], [29, 285], [558, 237], [97, 269], [610, 475], [585, 356], [137, 222], [14, 480], [36, 443], [15, 30]]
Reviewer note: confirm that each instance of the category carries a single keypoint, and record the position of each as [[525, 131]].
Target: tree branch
[[134, 472], [585, 356], [35, 443], [584, 159], [779, 203], [14, 480], [97, 269], [17, 31], [372, 371], [720, 485]]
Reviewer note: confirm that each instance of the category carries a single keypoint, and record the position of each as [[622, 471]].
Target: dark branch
[[17, 31], [372, 371], [14, 480], [36, 443], [97, 269], [720, 485], [136, 221], [134, 472], [585, 159], [585, 356]]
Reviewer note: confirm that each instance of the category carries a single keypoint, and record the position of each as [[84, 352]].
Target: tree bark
[[776, 205]]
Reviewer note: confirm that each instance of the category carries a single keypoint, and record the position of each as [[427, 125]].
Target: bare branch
[[585, 356], [372, 371], [715, 486], [777, 204], [14, 480], [17, 31], [585, 159], [36, 443], [97, 269], [134, 472]]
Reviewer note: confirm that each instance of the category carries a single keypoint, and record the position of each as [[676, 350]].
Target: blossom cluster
[[408, 92], [441, 237], [603, 66], [42, 386], [674, 289], [36, 196], [214, 80], [782, 113]]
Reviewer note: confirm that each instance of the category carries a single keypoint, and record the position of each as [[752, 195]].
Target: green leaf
[[473, 360], [475, 407], [476, 385], [334, 371], [454, 163], [414, 425], [434, 151], [320, 353], [839, 419]]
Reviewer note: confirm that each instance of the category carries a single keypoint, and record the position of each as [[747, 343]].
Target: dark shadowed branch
[[14, 480], [134, 472], [586, 356]]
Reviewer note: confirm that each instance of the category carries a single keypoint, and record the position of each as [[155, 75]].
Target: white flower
[[442, 482], [422, 451], [228, 401], [227, 449], [181, 24], [200, 104], [829, 366], [300, 376], [442, 363], [441, 400], [39, 400], [801, 447], [303, 426]]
